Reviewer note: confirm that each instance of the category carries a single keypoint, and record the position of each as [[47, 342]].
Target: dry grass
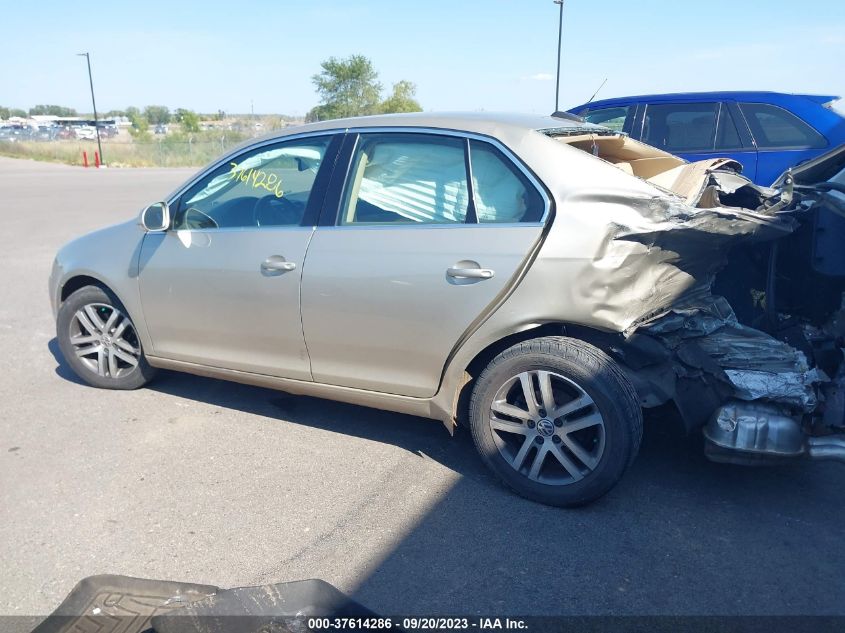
[[167, 152]]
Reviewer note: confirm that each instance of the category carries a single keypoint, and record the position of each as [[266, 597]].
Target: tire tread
[[585, 355]]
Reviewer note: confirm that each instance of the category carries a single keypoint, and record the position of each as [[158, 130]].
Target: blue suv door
[[783, 140], [696, 130]]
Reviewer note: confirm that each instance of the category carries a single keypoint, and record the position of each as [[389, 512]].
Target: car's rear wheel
[[99, 340], [556, 419]]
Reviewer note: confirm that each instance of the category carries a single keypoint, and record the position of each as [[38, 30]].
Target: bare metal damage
[[759, 392]]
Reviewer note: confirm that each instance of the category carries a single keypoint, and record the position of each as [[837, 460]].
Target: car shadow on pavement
[[423, 437], [678, 534], [63, 370]]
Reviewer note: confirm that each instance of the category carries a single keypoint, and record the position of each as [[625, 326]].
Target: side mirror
[[156, 217]]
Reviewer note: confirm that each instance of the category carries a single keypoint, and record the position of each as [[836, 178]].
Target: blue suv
[[767, 132]]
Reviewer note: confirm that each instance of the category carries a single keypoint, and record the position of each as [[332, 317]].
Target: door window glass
[[502, 193], [406, 179], [680, 127], [614, 118], [269, 186], [727, 136], [775, 127]]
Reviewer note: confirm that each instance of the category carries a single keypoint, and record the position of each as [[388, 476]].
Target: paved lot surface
[[198, 480]]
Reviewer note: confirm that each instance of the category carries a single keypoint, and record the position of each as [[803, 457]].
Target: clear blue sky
[[463, 55]]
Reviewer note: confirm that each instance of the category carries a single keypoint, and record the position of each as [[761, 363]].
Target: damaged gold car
[[541, 279]]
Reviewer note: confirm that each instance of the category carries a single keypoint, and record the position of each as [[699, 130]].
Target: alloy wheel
[[105, 340], [547, 427]]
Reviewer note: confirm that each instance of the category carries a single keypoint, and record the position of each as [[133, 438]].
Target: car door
[[221, 287], [414, 252], [696, 130], [733, 139], [783, 140]]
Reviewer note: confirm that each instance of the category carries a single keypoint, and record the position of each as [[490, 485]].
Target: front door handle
[[456, 272], [276, 265]]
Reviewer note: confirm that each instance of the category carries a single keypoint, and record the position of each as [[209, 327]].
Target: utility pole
[[559, 42], [94, 103]]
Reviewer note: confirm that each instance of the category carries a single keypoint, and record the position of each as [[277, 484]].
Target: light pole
[[94, 103], [559, 41]]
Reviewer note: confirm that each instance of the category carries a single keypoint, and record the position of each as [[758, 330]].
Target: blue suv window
[[681, 127], [614, 118], [727, 136], [774, 127]]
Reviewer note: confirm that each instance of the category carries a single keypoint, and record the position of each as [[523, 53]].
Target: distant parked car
[[767, 132], [107, 131], [161, 129], [87, 132], [45, 133], [15, 133]]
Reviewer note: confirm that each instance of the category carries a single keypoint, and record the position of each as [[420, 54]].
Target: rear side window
[[681, 127], [614, 118], [501, 191], [401, 178], [775, 127], [407, 179]]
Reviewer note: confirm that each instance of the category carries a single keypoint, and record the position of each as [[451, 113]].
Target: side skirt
[[422, 407]]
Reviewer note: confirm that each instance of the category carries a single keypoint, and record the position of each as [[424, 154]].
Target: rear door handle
[[276, 265], [470, 273]]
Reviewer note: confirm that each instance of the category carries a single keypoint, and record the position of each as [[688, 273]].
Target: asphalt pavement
[[199, 480]]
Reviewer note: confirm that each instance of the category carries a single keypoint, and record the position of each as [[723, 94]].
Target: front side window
[[680, 127], [264, 187], [775, 127], [614, 118]]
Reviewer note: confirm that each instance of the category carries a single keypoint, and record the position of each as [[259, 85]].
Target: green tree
[[322, 113], [54, 110], [402, 99], [189, 119], [347, 87], [139, 122], [17, 112], [4, 113], [156, 115]]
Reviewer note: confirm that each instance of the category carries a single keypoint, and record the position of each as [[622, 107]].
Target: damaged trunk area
[[750, 348]]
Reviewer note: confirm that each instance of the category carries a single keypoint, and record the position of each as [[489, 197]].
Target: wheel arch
[[84, 278], [608, 342], [78, 281]]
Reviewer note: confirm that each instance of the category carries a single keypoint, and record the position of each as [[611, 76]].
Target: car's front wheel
[[99, 340], [556, 419]]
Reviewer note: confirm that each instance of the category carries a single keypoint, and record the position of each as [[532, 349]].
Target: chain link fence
[[155, 153], [178, 150]]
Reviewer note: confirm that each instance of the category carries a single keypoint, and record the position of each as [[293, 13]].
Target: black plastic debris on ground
[[120, 604]]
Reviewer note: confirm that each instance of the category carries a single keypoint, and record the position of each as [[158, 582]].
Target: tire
[[584, 444], [99, 340]]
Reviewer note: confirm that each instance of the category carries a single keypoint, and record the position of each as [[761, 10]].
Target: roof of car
[[736, 95], [486, 123]]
